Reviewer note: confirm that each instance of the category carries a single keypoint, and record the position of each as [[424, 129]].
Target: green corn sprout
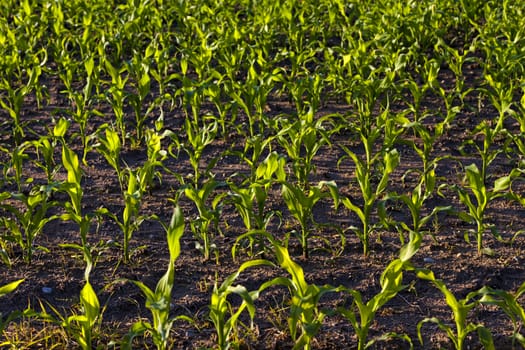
[[15, 165], [82, 326], [13, 103], [159, 300], [109, 146], [156, 155], [220, 307], [250, 205], [478, 199], [139, 69], [460, 310], [302, 140], [226, 111], [428, 137], [116, 97], [252, 96], [300, 205], [508, 302], [198, 138], [415, 201], [208, 217], [254, 149], [456, 61], [158, 49], [45, 146], [131, 217], [370, 194], [46, 149], [486, 151], [391, 284], [305, 318], [27, 223], [73, 186], [73, 209], [380, 163], [82, 101], [250, 199], [501, 95], [138, 183]]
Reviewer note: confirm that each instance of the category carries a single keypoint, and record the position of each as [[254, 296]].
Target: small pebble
[[429, 260], [47, 290]]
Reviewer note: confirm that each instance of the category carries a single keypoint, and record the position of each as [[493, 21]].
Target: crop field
[[262, 174]]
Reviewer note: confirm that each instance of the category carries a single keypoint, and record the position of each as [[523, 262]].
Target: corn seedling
[[302, 139], [81, 326], [509, 303], [197, 139], [226, 110], [370, 195], [82, 102], [250, 199], [428, 137], [415, 202], [253, 150], [116, 97], [13, 169], [159, 300], [14, 101], [391, 284], [45, 147], [221, 308], [156, 155], [300, 205], [456, 59], [27, 223], [209, 214], [478, 199], [139, 70], [252, 96], [131, 217], [138, 183], [501, 95], [109, 146], [379, 163], [73, 208], [305, 319], [460, 310]]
